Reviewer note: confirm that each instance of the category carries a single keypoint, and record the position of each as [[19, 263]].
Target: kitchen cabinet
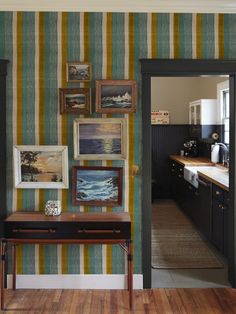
[[220, 219], [178, 184], [3, 73], [202, 118]]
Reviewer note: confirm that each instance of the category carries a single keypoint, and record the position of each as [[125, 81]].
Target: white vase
[[53, 208]]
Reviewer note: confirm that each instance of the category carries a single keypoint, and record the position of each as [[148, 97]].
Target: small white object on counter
[[215, 153], [53, 208]]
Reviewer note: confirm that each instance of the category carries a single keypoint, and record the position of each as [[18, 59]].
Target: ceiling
[[168, 6]]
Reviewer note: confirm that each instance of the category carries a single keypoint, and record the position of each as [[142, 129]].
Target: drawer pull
[[94, 231], [19, 230], [217, 193]]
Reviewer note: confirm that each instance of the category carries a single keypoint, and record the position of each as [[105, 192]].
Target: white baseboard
[[74, 281]]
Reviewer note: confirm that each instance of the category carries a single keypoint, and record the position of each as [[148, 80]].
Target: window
[[225, 114]]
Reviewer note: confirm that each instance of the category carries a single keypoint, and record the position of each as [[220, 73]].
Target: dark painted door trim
[[182, 68]]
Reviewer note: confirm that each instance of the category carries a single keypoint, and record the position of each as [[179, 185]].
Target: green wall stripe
[[163, 35], [185, 35], [118, 46], [208, 36], [229, 36]]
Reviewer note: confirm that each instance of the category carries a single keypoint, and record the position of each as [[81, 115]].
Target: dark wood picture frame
[[116, 96], [112, 184], [68, 96], [77, 71]]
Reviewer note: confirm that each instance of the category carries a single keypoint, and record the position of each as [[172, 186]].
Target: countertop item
[[192, 161]]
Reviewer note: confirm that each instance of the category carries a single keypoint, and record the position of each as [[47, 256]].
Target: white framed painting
[[40, 166], [100, 138]]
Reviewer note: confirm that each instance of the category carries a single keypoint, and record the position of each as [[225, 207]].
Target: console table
[[68, 228]]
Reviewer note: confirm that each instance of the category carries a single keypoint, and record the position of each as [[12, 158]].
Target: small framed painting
[[78, 71], [116, 96], [75, 100], [40, 167], [100, 138], [97, 185]]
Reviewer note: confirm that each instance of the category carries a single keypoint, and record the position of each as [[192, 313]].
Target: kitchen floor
[[191, 278]]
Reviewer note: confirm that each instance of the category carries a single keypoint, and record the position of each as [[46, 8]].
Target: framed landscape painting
[[39, 166], [75, 100], [78, 71], [100, 138], [97, 186], [116, 96]]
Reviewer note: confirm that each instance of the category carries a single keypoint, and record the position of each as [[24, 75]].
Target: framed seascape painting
[[97, 185], [78, 71], [75, 100], [39, 166], [116, 96], [100, 138]]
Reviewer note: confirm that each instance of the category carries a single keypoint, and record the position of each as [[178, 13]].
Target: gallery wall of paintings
[[46, 167]]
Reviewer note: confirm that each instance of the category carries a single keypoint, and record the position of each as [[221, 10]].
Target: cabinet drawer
[[67, 230]]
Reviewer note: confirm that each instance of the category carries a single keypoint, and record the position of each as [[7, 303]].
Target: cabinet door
[[198, 114], [192, 114], [217, 224]]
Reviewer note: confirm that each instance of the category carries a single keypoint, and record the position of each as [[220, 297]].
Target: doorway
[[181, 68]]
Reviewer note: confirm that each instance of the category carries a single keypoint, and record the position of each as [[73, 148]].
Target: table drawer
[[67, 230]]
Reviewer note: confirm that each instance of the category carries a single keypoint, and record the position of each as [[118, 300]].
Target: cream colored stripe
[[194, 38], [81, 256], [216, 24], [36, 79], [126, 63], [14, 94], [171, 39], [104, 45], [149, 35]]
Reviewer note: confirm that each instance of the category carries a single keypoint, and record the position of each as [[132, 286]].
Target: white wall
[[175, 93]]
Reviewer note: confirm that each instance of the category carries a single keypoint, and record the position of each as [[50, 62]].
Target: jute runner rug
[[176, 242]]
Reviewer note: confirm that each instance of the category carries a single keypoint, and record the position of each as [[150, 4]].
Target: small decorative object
[[75, 100], [97, 185], [53, 208], [160, 117], [100, 138], [40, 167], [116, 96], [78, 71]]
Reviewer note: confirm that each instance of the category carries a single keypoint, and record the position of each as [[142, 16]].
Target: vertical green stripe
[[118, 45], [2, 35], [185, 35], [163, 35], [208, 36], [229, 36]]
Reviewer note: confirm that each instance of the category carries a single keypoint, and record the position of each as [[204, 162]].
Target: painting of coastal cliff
[[40, 165], [99, 186], [99, 138], [115, 96]]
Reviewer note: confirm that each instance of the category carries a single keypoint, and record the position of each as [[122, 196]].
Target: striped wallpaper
[[38, 46]]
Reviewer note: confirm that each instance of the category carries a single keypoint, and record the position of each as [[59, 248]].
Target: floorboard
[[153, 301]]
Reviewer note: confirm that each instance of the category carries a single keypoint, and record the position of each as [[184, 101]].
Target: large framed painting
[[40, 166], [78, 71], [116, 96], [100, 138], [97, 185], [75, 100]]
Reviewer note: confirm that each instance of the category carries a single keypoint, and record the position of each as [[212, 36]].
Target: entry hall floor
[[189, 278]]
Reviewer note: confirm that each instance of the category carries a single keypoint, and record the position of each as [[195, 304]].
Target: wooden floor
[[162, 301]]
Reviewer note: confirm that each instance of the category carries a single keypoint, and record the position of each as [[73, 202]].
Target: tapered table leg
[[3, 256], [14, 266]]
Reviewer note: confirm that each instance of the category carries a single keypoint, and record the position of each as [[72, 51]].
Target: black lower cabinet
[[220, 219]]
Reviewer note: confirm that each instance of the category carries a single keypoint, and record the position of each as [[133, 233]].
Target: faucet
[[225, 156]]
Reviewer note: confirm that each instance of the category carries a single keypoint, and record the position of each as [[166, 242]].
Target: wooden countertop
[[192, 161]]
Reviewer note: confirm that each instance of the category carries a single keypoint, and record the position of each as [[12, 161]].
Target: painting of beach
[[98, 186]]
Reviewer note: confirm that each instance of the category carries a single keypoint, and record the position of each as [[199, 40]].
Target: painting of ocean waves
[[97, 185]]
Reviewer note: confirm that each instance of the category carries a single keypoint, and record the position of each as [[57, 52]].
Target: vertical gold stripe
[[41, 259], [131, 45], [221, 36], [109, 46], [154, 35], [199, 36], [176, 35], [19, 112], [131, 123], [64, 195], [86, 58], [41, 79]]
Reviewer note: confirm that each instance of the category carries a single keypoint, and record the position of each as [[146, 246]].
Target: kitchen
[[177, 147]]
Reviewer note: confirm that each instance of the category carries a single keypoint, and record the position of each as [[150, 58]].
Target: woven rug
[[176, 242]]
